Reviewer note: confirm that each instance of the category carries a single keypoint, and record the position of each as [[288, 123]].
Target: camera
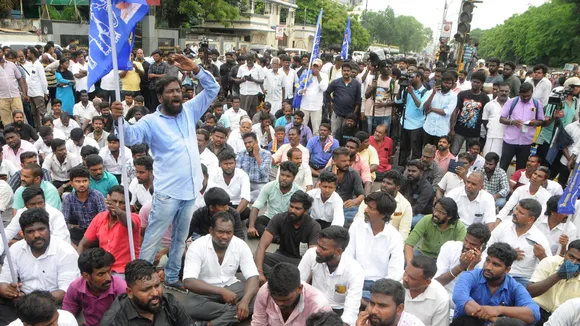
[[376, 57], [404, 81], [558, 96]]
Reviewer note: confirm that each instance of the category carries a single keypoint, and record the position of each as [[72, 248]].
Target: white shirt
[[554, 234], [57, 133], [65, 130], [313, 97], [111, 164], [238, 189], [573, 129], [408, 319], [6, 201], [139, 193], [41, 147], [35, 79], [480, 210], [57, 224], [303, 178], [568, 314], [478, 164], [236, 141], [209, 159], [8, 168], [506, 232], [54, 270], [542, 91], [102, 142], [334, 74], [201, 262], [401, 218], [330, 211], [450, 181], [431, 306], [58, 171], [250, 87], [273, 83], [364, 245], [342, 288], [81, 83], [234, 117], [71, 147], [554, 188], [65, 318], [127, 107], [85, 112], [289, 79], [262, 136], [491, 113], [108, 81], [523, 192], [464, 86]]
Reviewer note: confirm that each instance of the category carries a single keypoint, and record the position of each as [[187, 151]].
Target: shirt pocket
[[339, 294]]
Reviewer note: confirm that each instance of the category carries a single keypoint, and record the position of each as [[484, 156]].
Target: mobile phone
[[453, 164], [531, 242], [437, 82]]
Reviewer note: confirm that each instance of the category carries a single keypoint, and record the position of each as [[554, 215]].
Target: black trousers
[[261, 224], [7, 311], [271, 259], [522, 152], [430, 139], [467, 321], [411, 143], [323, 224]]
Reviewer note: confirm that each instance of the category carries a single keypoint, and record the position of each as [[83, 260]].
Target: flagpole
[[121, 128], [309, 72], [8, 255]]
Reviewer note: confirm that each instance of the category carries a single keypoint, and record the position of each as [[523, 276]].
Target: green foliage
[[404, 31], [186, 13], [6, 6], [546, 34], [65, 13]]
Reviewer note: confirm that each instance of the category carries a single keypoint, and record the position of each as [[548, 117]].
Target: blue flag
[[306, 76], [567, 202], [346, 41], [126, 15]]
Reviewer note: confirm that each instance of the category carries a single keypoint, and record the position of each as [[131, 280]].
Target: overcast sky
[[430, 12]]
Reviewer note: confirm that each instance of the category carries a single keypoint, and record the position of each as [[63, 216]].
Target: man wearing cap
[[78, 140], [344, 96], [313, 96]]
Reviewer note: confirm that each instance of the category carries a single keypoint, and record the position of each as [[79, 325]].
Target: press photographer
[[379, 97]]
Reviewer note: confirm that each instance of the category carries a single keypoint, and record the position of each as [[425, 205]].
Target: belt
[[76, 226]]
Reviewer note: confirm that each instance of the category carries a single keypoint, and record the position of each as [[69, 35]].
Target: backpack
[[515, 102]]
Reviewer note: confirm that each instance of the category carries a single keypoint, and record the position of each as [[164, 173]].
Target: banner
[[280, 32], [446, 29], [346, 41], [567, 203]]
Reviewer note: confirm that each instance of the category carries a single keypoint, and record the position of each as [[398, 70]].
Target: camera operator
[[412, 97], [379, 97]]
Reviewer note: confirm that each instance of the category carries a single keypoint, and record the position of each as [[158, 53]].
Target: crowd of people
[[218, 154]]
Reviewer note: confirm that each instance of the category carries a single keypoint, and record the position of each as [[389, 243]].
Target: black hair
[[98, 118], [36, 307], [416, 163], [56, 143], [95, 258], [479, 231], [118, 189], [291, 152], [301, 197], [222, 216], [503, 252], [540, 66], [511, 64], [390, 288], [161, 83], [220, 129], [88, 150], [204, 170], [44, 131], [290, 167], [447, 76], [427, 264], [139, 98], [92, 160], [394, 176], [26, 155], [532, 206], [326, 125], [574, 244], [446, 137], [526, 87], [47, 119], [544, 169], [34, 215], [283, 280], [76, 133], [468, 156], [79, 171], [112, 137], [479, 75], [145, 161], [15, 112], [295, 129], [494, 60], [386, 204], [324, 318], [328, 176], [450, 207], [35, 168], [340, 151], [104, 104], [336, 233], [491, 156], [203, 132], [250, 134], [31, 192], [354, 140], [300, 114], [11, 130], [139, 149], [226, 155], [138, 270], [216, 196], [552, 205]]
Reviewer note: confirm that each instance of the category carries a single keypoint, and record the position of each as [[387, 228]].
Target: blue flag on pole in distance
[[567, 202], [126, 15], [306, 76], [346, 41]]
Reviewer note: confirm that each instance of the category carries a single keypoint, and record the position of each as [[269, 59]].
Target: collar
[[84, 287], [50, 251], [382, 233], [503, 286], [442, 158], [544, 220], [477, 199]]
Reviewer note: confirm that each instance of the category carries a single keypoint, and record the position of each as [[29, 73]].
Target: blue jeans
[[366, 289], [416, 219], [165, 211], [500, 202], [373, 122], [522, 280], [350, 213]]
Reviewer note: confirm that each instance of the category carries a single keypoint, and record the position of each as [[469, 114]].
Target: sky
[[430, 12]]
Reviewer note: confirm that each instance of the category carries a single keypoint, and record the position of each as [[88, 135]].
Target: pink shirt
[[360, 166], [144, 216], [443, 162], [79, 298], [267, 313], [8, 153], [9, 75]]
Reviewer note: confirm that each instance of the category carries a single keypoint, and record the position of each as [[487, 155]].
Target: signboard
[[446, 29], [154, 2], [166, 44], [280, 32], [82, 41]]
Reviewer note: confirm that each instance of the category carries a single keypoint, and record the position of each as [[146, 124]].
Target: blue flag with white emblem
[[306, 76], [346, 41], [567, 202], [126, 15]]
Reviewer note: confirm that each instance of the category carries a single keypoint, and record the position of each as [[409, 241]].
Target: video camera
[[558, 96], [376, 57]]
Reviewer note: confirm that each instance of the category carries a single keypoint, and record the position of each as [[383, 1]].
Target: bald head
[[474, 184]]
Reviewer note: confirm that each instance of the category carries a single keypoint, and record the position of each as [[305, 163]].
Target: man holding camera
[[379, 97]]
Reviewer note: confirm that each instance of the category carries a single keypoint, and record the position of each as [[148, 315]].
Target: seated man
[[206, 156], [305, 132], [347, 130], [96, 289], [340, 277], [529, 242], [284, 300], [233, 180], [376, 233], [25, 159], [296, 230], [367, 153], [418, 191], [359, 165], [15, 146], [383, 144], [217, 295], [42, 144], [327, 204], [112, 156], [321, 148], [386, 306], [555, 281], [141, 188], [78, 140], [32, 176], [555, 227], [110, 229], [276, 195], [101, 180], [278, 140], [425, 297], [481, 295], [40, 308], [495, 179], [59, 163], [34, 198], [435, 230], [145, 302], [41, 262], [431, 171], [303, 178], [455, 257], [218, 144], [350, 187], [567, 314], [281, 154], [475, 204], [216, 201], [457, 178], [82, 205], [256, 162], [522, 177], [475, 150]]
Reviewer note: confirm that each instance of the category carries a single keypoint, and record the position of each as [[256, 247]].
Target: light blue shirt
[[436, 124], [414, 116], [173, 142]]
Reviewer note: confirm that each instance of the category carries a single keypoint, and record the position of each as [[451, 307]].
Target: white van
[[21, 45]]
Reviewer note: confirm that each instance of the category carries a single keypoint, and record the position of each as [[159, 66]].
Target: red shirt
[[385, 151], [519, 178], [115, 239]]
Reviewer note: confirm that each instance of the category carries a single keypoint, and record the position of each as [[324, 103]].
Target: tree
[[405, 31], [187, 13]]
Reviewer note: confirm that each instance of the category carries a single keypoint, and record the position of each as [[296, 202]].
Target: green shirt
[[271, 195], [547, 132], [433, 238], [107, 182], [51, 196]]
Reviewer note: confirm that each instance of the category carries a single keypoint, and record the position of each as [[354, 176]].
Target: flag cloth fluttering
[[306, 77], [346, 41]]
